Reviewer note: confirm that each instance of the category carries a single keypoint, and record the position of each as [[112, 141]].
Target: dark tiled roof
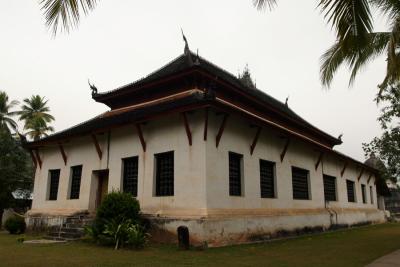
[[180, 64], [105, 121]]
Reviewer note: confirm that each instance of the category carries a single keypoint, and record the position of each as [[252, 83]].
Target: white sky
[[122, 41]]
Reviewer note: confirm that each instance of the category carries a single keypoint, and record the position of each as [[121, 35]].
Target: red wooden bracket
[[321, 154], [361, 173], [344, 168], [285, 148], [141, 138], [62, 151], [205, 124], [253, 145], [97, 145], [33, 158], [221, 130], [38, 158], [187, 128]]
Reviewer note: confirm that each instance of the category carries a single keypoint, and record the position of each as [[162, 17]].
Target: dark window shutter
[[130, 175], [350, 191], [165, 174], [235, 174], [267, 179], [300, 183], [364, 193], [371, 194], [76, 181], [54, 182], [329, 188]]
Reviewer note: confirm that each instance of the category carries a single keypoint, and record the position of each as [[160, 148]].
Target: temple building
[[199, 148]]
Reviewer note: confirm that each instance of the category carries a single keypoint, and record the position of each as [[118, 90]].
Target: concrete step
[[65, 235], [72, 230]]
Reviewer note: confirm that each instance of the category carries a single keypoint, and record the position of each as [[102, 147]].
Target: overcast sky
[[122, 41]]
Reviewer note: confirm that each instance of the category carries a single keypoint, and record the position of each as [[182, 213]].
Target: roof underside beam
[[285, 148], [62, 151], [97, 146], [319, 160], [254, 143], [187, 128], [39, 160], [221, 129], [140, 135]]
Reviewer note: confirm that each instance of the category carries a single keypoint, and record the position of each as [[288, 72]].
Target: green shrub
[[15, 225], [137, 236], [117, 207]]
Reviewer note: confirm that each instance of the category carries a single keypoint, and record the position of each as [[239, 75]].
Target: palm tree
[[6, 121], [37, 128], [35, 115], [356, 43]]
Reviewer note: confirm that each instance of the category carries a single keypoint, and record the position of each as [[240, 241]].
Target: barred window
[[53, 185], [329, 188], [235, 174], [165, 174], [75, 181], [364, 193], [267, 179], [300, 183], [371, 193], [350, 191], [130, 175]]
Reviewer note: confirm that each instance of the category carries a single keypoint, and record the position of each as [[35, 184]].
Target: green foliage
[[387, 146], [6, 121], [21, 239], [15, 225], [35, 114], [16, 171], [117, 207], [118, 222]]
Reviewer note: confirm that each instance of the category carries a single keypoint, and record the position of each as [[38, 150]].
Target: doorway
[[102, 186]]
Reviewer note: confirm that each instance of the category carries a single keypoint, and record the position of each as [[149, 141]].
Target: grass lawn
[[355, 247]]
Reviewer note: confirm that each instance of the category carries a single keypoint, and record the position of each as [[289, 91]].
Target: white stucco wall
[[201, 179]]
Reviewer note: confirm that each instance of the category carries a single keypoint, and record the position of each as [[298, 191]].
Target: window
[[329, 188], [235, 174], [300, 183], [130, 175], [364, 193], [371, 193], [267, 179], [165, 174], [350, 191], [75, 181], [53, 186]]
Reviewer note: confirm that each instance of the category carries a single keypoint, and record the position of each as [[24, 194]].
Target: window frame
[[326, 176], [307, 181], [53, 196], [353, 191], [273, 187], [157, 172], [123, 182], [233, 192], [364, 193], [75, 195]]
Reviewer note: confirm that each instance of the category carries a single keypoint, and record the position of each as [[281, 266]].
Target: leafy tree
[[16, 170], [6, 121], [35, 115], [387, 146]]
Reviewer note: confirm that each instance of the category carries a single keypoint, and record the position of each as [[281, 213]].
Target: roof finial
[[197, 62], [340, 137], [287, 101], [187, 50], [93, 88]]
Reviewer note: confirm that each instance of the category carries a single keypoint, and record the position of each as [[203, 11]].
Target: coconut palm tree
[[34, 113], [355, 47], [37, 128], [6, 121]]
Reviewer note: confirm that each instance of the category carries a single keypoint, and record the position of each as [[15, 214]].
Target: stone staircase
[[72, 229]]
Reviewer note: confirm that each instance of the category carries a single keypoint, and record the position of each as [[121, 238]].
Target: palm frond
[[348, 16], [262, 4], [63, 15]]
